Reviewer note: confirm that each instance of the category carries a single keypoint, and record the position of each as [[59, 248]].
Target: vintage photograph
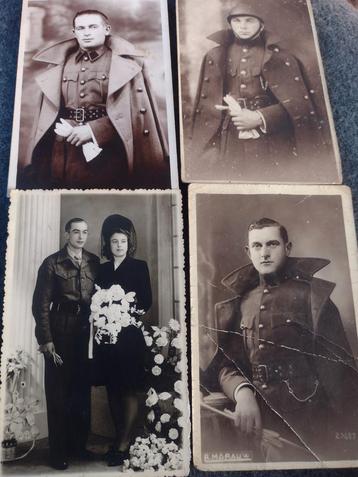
[[274, 327], [94, 359], [94, 100], [253, 97]]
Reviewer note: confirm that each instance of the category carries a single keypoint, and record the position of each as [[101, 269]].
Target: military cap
[[260, 9]]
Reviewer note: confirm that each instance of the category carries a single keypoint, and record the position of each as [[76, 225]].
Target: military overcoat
[[131, 108]]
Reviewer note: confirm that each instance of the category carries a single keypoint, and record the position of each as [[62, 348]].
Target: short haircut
[[132, 241], [90, 12], [72, 221], [266, 222]]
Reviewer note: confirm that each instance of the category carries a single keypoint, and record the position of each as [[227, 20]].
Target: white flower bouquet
[[111, 310], [154, 453]]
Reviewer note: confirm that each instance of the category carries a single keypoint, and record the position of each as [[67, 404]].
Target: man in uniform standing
[[286, 362], [61, 307], [275, 125], [95, 94]]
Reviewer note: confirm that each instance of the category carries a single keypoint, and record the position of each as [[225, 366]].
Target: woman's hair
[[117, 224]]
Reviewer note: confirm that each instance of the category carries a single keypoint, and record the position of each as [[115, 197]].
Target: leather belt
[[256, 102], [82, 115], [266, 373], [72, 307]]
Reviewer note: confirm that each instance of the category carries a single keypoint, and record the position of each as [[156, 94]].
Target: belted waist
[[256, 102], [82, 115], [72, 307], [271, 372]]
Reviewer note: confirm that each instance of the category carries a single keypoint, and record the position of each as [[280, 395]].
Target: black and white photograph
[[273, 271], [94, 99], [253, 97], [94, 361]]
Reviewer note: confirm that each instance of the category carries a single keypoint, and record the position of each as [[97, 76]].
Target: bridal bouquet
[[111, 310]]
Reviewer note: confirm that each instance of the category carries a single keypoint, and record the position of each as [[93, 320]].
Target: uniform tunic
[[121, 366], [85, 85]]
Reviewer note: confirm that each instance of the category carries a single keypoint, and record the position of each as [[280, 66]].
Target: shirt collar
[[73, 254]]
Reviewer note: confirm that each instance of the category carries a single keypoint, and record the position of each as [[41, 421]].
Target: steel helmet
[[252, 8]]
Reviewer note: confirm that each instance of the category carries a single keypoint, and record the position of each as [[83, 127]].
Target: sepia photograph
[[94, 358], [94, 99], [253, 97], [273, 271]]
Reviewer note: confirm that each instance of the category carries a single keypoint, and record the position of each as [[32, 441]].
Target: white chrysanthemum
[[178, 367], [100, 321], [181, 421], [164, 418], [125, 320], [173, 434], [156, 370], [152, 398], [158, 426], [176, 343], [159, 358], [178, 387], [179, 404], [161, 341], [148, 340]]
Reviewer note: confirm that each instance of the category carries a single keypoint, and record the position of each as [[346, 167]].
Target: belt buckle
[[242, 102], [80, 115], [266, 377]]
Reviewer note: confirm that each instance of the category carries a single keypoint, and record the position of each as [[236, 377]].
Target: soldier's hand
[[247, 412], [80, 135], [246, 119], [48, 349]]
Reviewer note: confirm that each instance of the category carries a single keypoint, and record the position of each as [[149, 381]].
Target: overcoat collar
[[226, 37], [121, 71]]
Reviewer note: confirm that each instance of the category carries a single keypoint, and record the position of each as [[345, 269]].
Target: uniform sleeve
[[276, 118], [230, 378], [41, 302], [144, 290], [103, 130]]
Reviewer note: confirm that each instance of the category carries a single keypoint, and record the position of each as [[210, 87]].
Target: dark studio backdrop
[[336, 22]]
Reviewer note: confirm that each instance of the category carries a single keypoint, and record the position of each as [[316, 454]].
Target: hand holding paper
[[242, 118]]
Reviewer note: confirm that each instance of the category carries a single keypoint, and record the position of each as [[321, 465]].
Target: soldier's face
[[267, 249], [245, 27], [77, 236], [91, 31], [119, 245]]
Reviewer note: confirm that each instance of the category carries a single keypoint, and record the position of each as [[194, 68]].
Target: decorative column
[[34, 37], [35, 235]]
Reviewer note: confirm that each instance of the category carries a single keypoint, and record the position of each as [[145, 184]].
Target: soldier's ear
[[288, 248], [108, 30], [247, 251]]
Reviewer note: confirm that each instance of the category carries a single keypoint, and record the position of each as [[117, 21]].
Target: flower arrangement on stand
[[161, 449], [19, 418]]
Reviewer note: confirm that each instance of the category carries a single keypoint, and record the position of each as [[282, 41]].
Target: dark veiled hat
[[117, 223], [260, 9]]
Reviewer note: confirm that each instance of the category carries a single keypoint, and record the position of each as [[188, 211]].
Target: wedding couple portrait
[[106, 357]]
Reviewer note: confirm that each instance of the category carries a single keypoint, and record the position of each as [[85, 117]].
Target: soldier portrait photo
[[94, 349], [256, 110], [94, 105], [277, 339]]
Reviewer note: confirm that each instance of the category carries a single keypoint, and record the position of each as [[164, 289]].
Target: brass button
[[245, 50], [261, 346], [312, 113], [140, 90], [83, 68], [197, 111], [243, 72], [82, 95], [288, 63], [146, 132], [104, 76], [203, 95], [85, 58], [312, 91], [82, 82], [264, 386], [297, 78], [288, 320], [244, 60], [142, 110], [210, 62], [243, 86], [266, 291], [64, 79], [261, 326], [305, 96], [276, 50], [213, 144], [206, 79], [262, 307]]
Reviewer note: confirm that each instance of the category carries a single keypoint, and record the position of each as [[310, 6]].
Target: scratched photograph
[[254, 105], [94, 100], [273, 271], [94, 364]]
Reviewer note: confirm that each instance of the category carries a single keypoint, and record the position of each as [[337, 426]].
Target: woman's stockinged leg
[[129, 408]]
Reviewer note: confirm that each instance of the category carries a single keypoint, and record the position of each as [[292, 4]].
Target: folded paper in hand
[[235, 108]]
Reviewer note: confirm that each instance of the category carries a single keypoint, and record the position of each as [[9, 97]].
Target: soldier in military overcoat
[[286, 363], [61, 307], [99, 85], [268, 83]]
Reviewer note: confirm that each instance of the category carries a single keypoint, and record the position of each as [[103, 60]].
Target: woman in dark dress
[[122, 365]]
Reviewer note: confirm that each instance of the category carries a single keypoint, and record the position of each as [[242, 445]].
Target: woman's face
[[119, 245]]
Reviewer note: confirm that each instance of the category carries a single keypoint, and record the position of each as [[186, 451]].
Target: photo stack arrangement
[[116, 249]]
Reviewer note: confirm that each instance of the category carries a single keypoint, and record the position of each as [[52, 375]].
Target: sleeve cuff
[[263, 128], [240, 386]]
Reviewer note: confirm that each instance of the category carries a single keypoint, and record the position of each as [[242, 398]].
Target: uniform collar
[[93, 55], [245, 278], [226, 38], [63, 255]]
